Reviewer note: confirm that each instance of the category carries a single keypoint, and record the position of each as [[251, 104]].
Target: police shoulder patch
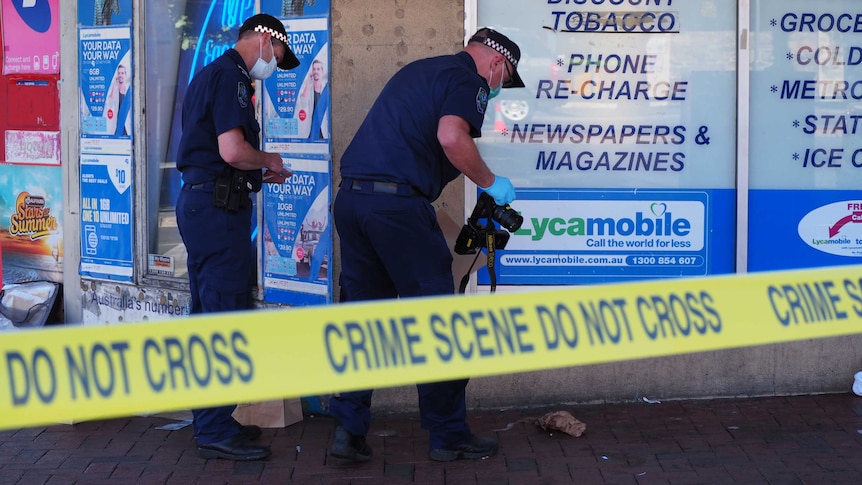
[[242, 94], [481, 101]]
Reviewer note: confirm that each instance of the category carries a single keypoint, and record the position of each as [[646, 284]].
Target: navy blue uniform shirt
[[397, 142], [218, 99]]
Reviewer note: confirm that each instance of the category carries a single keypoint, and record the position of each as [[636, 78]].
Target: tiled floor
[[774, 440]]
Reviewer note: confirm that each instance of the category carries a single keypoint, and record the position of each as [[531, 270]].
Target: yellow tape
[[77, 373]]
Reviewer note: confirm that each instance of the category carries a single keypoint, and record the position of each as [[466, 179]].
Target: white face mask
[[262, 69]]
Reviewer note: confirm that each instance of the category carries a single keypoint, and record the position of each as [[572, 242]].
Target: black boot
[[473, 449], [234, 448], [349, 447]]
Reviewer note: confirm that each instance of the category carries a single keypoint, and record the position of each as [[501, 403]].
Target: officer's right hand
[[271, 177], [273, 162], [502, 190], [276, 174]]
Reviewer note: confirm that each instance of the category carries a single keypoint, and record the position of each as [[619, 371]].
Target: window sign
[[294, 120], [209, 28], [183, 38], [622, 144], [805, 150]]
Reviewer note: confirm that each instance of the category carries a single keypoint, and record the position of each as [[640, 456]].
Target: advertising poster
[[31, 221], [622, 145], [106, 89], [298, 237], [296, 108], [806, 148], [92, 13], [31, 36], [107, 222], [296, 102]]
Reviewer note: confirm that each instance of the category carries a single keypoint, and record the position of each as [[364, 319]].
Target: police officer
[[417, 137], [221, 167]]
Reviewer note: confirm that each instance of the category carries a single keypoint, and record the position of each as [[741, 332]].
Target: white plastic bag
[[27, 305]]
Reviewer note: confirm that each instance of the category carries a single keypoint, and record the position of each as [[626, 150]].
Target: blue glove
[[502, 190]]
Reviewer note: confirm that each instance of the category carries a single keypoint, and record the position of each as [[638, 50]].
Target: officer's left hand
[[502, 190]]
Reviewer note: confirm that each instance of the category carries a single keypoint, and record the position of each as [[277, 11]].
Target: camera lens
[[508, 218]]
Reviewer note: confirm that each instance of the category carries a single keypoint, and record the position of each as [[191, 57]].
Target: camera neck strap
[[490, 243]]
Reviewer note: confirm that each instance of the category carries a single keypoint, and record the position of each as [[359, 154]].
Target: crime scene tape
[[78, 373]]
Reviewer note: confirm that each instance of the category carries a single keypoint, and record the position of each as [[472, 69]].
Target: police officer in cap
[[222, 167], [417, 137]]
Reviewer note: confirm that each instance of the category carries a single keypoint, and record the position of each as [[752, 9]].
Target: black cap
[[265, 23], [505, 46]]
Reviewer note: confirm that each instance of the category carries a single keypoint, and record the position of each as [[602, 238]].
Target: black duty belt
[[202, 187], [374, 186]]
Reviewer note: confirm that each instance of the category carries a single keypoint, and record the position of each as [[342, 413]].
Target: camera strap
[[490, 245], [492, 254], [466, 278]]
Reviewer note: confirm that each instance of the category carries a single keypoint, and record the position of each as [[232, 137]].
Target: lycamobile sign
[[642, 225], [834, 228], [610, 224]]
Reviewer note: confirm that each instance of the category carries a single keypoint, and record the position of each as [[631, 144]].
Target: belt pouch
[[222, 192]]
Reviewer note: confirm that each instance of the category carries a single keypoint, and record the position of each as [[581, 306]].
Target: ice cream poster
[[31, 222]]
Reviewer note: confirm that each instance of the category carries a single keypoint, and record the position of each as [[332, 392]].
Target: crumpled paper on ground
[[561, 421]]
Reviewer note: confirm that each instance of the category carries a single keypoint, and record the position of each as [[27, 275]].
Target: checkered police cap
[[267, 24], [504, 46]]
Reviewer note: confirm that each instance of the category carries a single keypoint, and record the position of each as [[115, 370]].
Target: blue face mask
[[494, 91]]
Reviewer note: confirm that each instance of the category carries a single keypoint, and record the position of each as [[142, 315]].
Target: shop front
[[653, 140]]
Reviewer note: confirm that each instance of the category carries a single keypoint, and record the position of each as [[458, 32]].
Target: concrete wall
[[805, 367], [373, 39]]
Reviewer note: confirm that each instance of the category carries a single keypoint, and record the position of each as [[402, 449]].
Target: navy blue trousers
[[391, 247], [221, 262]]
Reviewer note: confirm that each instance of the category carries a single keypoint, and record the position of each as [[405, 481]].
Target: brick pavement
[[774, 440]]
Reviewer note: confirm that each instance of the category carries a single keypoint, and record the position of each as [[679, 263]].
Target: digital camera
[[474, 236]]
